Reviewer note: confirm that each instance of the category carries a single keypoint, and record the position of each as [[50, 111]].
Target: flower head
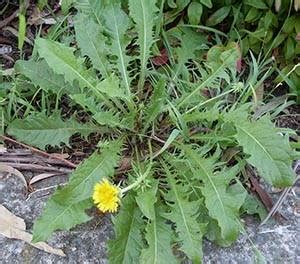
[[106, 196]]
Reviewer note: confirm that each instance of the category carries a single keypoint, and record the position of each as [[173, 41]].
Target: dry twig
[[43, 153]]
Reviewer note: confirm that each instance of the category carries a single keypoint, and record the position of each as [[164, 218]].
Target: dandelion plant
[[175, 124]]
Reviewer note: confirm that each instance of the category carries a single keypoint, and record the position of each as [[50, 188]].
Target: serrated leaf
[[62, 61], [143, 12], [146, 200], [40, 130], [91, 8], [253, 206], [184, 214], [59, 216], [218, 59], [158, 237], [91, 42], [269, 152], [109, 118], [117, 23], [65, 208], [128, 224], [222, 205], [41, 75], [156, 104], [86, 102], [111, 87]]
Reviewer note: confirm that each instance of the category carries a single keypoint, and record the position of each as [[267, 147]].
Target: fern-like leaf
[[184, 214], [143, 13], [65, 208], [222, 205], [128, 224], [40, 130]]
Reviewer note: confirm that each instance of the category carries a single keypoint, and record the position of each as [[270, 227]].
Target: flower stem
[[134, 184]]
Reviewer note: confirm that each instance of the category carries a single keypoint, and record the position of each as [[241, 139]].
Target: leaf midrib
[[213, 185], [97, 53], [256, 141], [145, 35], [128, 237], [182, 213], [120, 52]]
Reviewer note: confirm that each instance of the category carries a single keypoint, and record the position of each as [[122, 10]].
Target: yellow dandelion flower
[[106, 196]]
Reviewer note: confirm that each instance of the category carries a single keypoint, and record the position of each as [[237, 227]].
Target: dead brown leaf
[[14, 227], [41, 176], [60, 155]]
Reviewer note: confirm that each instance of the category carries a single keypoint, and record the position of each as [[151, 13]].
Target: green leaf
[[269, 152], [207, 3], [222, 205], [252, 15], [195, 12], [218, 59], [270, 19], [143, 13], [218, 16], [111, 119], [111, 87], [253, 206], [289, 24], [158, 237], [117, 23], [87, 102], [65, 208], [175, 132], [146, 200], [66, 5], [21, 30], [128, 225], [190, 42], [259, 4], [184, 214], [92, 43], [62, 61], [59, 216], [289, 49], [40, 130], [92, 9], [41, 75], [156, 104]]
